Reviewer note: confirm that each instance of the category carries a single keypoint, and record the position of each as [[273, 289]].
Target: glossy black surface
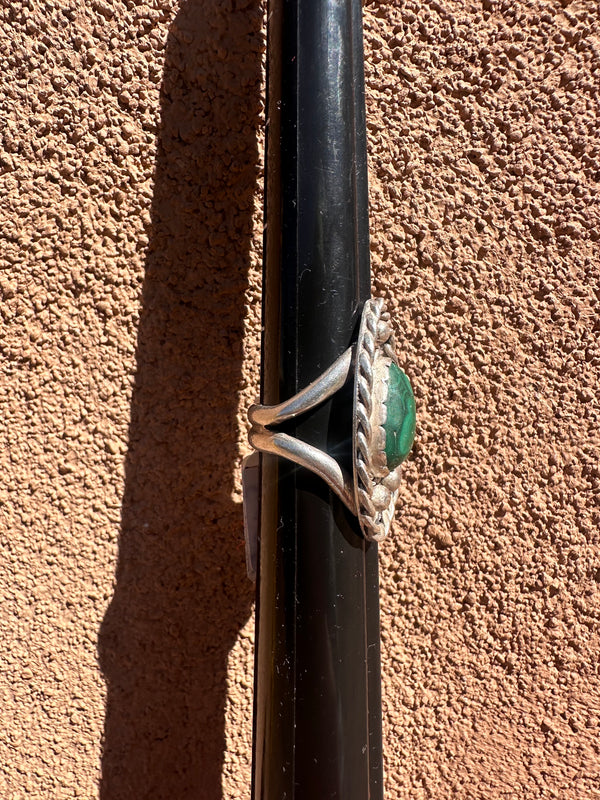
[[317, 679]]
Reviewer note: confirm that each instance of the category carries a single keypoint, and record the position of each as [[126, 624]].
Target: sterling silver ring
[[382, 431]]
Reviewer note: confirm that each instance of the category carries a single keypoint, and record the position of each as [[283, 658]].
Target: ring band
[[382, 431]]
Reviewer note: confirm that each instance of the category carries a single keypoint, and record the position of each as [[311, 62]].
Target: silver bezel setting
[[375, 486]]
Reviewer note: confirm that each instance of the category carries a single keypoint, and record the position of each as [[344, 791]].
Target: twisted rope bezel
[[374, 352]]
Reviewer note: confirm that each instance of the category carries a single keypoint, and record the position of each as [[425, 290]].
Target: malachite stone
[[401, 417]]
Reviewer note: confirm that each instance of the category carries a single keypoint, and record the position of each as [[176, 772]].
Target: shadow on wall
[[182, 593]]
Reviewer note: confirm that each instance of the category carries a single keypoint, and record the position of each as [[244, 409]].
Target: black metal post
[[317, 727]]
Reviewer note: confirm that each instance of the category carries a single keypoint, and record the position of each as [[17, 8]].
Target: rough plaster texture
[[130, 278]]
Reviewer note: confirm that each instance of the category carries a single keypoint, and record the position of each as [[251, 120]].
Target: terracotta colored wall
[[130, 280]]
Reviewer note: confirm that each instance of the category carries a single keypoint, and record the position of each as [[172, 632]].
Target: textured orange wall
[[130, 218]]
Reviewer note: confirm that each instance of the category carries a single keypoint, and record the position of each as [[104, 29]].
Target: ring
[[383, 426]]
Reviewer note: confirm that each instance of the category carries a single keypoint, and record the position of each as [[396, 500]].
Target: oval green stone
[[401, 417]]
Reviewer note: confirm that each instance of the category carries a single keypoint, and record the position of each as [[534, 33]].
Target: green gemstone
[[401, 417]]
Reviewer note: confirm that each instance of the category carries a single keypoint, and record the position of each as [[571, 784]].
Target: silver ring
[[382, 431]]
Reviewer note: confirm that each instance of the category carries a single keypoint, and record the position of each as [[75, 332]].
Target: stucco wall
[[130, 173]]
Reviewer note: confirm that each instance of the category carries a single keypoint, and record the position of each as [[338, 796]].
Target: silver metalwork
[[375, 486], [372, 490]]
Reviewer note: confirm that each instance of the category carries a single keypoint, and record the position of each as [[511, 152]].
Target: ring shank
[[305, 455], [312, 396]]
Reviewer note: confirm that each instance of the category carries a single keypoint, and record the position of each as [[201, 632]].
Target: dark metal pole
[[317, 725]]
